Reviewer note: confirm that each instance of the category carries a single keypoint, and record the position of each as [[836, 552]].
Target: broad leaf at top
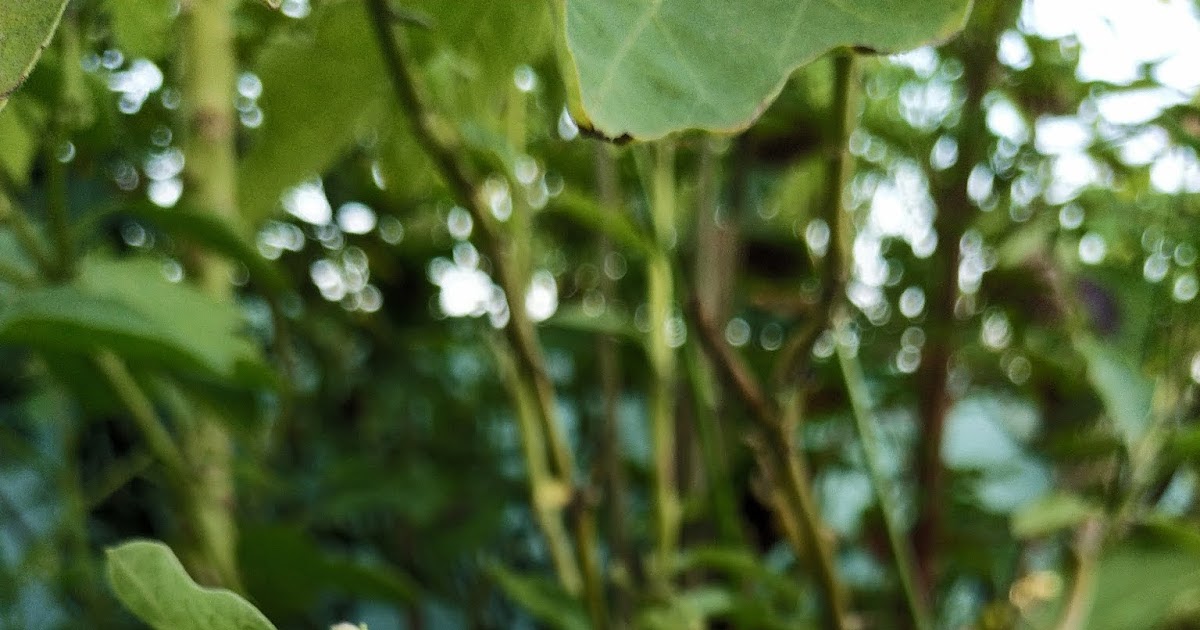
[[25, 30], [647, 68]]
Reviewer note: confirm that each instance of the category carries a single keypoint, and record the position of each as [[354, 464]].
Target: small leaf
[[1051, 514], [542, 598], [150, 581], [647, 68], [26, 27], [1125, 391]]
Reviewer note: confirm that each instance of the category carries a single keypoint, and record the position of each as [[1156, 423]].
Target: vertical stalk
[[530, 362], [860, 403], [715, 272], [62, 119], [611, 465], [660, 301], [955, 211], [208, 79]]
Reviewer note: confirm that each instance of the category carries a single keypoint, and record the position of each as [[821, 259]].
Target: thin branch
[[733, 370], [836, 261], [460, 182], [864, 418], [531, 365], [145, 418], [781, 465]]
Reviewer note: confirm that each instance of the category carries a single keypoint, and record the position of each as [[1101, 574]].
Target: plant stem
[[57, 208], [210, 73], [145, 418], [24, 230], [547, 495], [955, 210], [660, 300], [522, 337], [864, 418], [612, 466], [781, 465]]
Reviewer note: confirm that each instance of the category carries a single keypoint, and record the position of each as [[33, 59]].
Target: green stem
[[548, 496], [780, 462], [24, 231], [660, 303], [209, 77], [57, 208], [860, 403], [522, 337]]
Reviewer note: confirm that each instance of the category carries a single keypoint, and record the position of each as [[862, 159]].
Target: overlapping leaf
[[25, 29], [647, 68]]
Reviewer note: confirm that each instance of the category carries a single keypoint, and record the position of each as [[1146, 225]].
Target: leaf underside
[[25, 29], [647, 68]]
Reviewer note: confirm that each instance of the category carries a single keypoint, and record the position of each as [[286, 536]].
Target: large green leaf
[[150, 581], [322, 87], [647, 68], [128, 306], [25, 30]]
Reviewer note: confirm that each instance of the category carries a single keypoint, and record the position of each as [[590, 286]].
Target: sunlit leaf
[[1052, 513], [647, 68], [26, 27], [150, 581]]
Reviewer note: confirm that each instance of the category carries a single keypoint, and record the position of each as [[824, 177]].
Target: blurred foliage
[[383, 463]]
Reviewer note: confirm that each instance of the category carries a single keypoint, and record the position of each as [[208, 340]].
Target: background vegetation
[[581, 314]]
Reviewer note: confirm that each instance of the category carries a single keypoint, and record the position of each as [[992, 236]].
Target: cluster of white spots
[[163, 169], [345, 278]]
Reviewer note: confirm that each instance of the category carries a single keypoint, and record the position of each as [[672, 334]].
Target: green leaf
[[150, 581], [285, 572], [207, 230], [130, 307], [584, 210], [26, 27], [321, 89], [1142, 588], [542, 598], [647, 68], [1052, 513], [141, 28], [1126, 392]]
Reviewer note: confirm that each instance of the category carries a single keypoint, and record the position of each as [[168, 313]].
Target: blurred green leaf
[[130, 307], [215, 235], [542, 598], [323, 87], [587, 212], [150, 581], [1125, 391], [1140, 588], [27, 27], [141, 28], [650, 68], [1051, 514], [287, 572]]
